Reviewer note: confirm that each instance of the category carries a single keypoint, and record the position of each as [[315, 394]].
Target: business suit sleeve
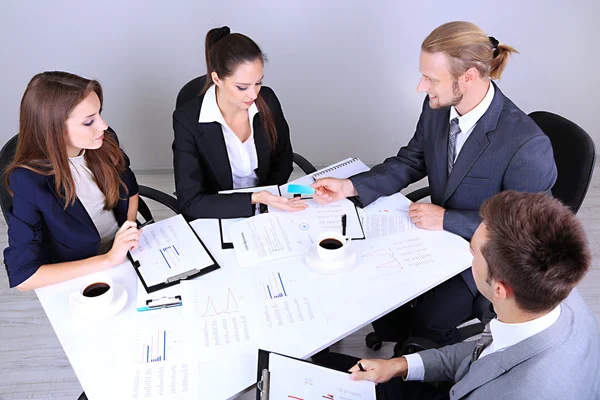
[[194, 201], [282, 157], [531, 169], [442, 364], [395, 173], [25, 252]]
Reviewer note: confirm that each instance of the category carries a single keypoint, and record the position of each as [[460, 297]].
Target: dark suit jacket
[[506, 150], [202, 166], [41, 231]]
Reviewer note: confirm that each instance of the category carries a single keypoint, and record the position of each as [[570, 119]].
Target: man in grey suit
[[528, 254], [471, 142]]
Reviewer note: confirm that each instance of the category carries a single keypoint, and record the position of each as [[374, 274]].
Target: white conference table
[[92, 346]]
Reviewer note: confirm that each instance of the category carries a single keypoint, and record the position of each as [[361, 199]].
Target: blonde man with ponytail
[[471, 142]]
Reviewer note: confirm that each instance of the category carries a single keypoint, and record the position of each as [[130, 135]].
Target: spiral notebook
[[341, 170]]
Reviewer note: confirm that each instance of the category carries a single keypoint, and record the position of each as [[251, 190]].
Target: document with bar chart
[[292, 379], [169, 249], [285, 301], [159, 366]]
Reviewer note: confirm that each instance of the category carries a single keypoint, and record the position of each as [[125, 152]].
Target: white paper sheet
[[329, 217], [222, 316], [271, 236], [395, 202], [158, 366], [403, 256], [383, 223], [273, 189], [297, 380], [169, 248]]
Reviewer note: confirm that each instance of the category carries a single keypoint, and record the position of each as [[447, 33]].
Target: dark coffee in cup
[[331, 244], [96, 289]]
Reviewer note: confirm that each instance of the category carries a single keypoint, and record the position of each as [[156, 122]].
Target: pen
[[362, 369], [344, 224], [150, 221]]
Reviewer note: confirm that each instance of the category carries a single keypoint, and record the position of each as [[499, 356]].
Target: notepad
[[341, 170]]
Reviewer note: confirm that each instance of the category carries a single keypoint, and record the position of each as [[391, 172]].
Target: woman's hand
[[279, 202], [126, 239]]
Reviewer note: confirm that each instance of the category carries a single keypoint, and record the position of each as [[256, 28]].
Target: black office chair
[[575, 157], [193, 89]]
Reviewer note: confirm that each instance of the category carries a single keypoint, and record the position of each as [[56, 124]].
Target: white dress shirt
[[242, 155], [503, 336], [93, 199], [468, 121]]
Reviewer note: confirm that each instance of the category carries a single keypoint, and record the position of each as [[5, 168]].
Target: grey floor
[[33, 364]]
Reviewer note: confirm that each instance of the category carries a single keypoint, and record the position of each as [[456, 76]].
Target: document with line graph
[[222, 315], [170, 251]]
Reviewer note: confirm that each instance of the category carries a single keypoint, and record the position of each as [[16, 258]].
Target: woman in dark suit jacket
[[231, 136], [71, 186]]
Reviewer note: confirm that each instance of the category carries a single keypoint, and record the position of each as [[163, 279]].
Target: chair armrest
[[160, 197], [415, 344], [419, 194], [304, 164]]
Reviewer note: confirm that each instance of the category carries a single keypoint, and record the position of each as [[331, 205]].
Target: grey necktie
[[484, 341], [454, 130]]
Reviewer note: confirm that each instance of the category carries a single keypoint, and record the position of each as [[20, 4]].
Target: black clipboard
[[263, 375], [174, 280]]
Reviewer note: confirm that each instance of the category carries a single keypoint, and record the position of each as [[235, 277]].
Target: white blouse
[[242, 155], [92, 198]]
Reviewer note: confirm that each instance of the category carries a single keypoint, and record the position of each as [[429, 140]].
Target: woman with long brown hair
[[232, 136], [71, 185]]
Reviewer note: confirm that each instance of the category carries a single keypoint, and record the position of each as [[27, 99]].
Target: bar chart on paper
[[158, 367], [273, 287], [171, 256], [157, 346]]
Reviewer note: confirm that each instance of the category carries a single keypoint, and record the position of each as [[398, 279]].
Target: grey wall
[[345, 71]]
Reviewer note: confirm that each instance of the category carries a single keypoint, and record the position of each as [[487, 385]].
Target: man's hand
[[380, 371], [427, 216], [328, 190]]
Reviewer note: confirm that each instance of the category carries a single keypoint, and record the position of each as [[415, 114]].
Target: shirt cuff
[[416, 369]]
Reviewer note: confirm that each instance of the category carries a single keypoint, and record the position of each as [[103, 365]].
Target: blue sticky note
[[300, 189]]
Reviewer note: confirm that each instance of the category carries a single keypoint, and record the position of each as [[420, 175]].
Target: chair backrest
[[190, 90], [574, 154], [6, 156]]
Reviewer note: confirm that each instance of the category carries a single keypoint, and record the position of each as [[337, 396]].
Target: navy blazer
[[202, 166], [41, 231], [505, 151]]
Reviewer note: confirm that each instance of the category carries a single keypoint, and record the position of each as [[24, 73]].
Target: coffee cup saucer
[[112, 309], [330, 267]]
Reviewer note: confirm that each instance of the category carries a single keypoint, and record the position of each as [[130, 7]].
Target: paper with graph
[[284, 300], [169, 248], [292, 379], [404, 255], [158, 365], [222, 315]]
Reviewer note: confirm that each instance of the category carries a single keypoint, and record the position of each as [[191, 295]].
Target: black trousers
[[395, 389], [434, 315]]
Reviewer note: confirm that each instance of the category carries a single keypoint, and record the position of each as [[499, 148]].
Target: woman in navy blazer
[[71, 185], [231, 136]]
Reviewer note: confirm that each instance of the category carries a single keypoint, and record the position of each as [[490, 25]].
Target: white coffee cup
[[332, 246], [95, 294]]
